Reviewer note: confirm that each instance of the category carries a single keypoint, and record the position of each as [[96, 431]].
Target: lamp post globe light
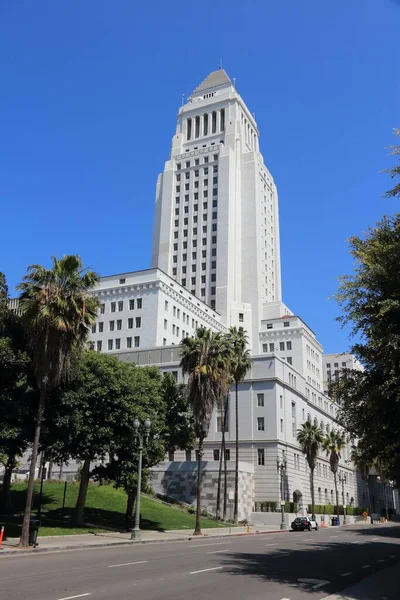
[[281, 468], [141, 433], [343, 480]]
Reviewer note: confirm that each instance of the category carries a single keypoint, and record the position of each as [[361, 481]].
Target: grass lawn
[[105, 508]]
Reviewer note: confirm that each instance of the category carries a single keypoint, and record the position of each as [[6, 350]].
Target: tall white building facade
[[216, 221]]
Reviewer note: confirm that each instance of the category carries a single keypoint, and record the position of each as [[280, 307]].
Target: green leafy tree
[[370, 300], [240, 364], [363, 464], [58, 310], [394, 172], [178, 433], [333, 444], [199, 363], [310, 438], [17, 393]]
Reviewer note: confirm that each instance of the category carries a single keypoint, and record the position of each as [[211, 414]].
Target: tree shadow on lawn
[[324, 561]]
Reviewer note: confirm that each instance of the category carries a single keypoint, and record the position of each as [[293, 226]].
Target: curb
[[23, 551]]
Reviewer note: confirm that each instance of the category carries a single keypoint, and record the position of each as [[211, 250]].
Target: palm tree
[[310, 438], [222, 385], [58, 309], [200, 361], [240, 364], [333, 443]]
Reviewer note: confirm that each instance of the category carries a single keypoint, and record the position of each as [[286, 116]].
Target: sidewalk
[[98, 540]]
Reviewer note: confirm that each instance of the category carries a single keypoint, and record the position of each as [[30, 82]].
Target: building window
[[281, 346], [272, 347], [94, 328], [118, 344], [120, 305], [102, 309], [130, 323], [260, 424], [101, 327], [269, 325], [113, 306], [289, 360], [119, 324], [227, 454], [286, 323], [138, 321], [131, 304], [137, 341], [241, 317], [281, 425], [139, 303], [216, 455], [129, 342], [281, 401], [261, 457], [111, 325], [265, 347], [288, 345], [110, 344], [99, 344], [260, 399]]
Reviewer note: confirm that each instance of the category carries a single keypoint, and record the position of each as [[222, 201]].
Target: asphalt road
[[239, 568]]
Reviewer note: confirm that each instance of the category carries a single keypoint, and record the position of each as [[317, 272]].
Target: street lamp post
[[343, 480], [281, 467], [142, 433]]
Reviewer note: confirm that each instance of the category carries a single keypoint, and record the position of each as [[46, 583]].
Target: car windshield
[[298, 520]]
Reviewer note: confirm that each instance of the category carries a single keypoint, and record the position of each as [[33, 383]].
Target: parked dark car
[[302, 523]]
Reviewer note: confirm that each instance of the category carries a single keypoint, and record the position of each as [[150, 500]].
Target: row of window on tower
[[119, 306], [205, 124], [117, 344]]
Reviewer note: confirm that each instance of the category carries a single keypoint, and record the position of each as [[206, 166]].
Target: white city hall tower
[[216, 225]]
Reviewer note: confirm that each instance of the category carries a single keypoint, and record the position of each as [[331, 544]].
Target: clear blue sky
[[89, 95]]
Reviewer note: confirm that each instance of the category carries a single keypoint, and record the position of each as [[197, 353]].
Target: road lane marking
[[381, 560], [204, 570], [316, 583], [375, 538], [393, 555], [79, 596], [345, 574], [333, 536], [217, 551], [212, 544], [308, 539], [366, 567], [266, 545], [138, 562], [281, 555]]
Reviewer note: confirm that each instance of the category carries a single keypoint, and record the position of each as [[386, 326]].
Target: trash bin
[[34, 525], [335, 521]]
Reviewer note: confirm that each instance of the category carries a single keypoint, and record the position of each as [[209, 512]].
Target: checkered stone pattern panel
[[179, 481]]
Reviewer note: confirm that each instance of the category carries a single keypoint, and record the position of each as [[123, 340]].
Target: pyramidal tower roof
[[214, 79]]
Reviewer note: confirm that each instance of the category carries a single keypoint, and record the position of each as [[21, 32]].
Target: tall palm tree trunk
[[83, 488], [337, 495], [312, 493], [225, 471], [369, 498], [218, 507], [24, 539], [236, 505], [197, 529], [221, 454]]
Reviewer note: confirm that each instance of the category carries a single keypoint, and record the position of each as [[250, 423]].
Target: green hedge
[[330, 509], [266, 506]]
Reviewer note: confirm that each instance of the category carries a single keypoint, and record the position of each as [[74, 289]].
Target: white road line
[[375, 538], [204, 570], [381, 560], [333, 536], [79, 596], [366, 567], [217, 551], [393, 555], [212, 544], [281, 555], [308, 539], [138, 562], [266, 545], [345, 574]]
